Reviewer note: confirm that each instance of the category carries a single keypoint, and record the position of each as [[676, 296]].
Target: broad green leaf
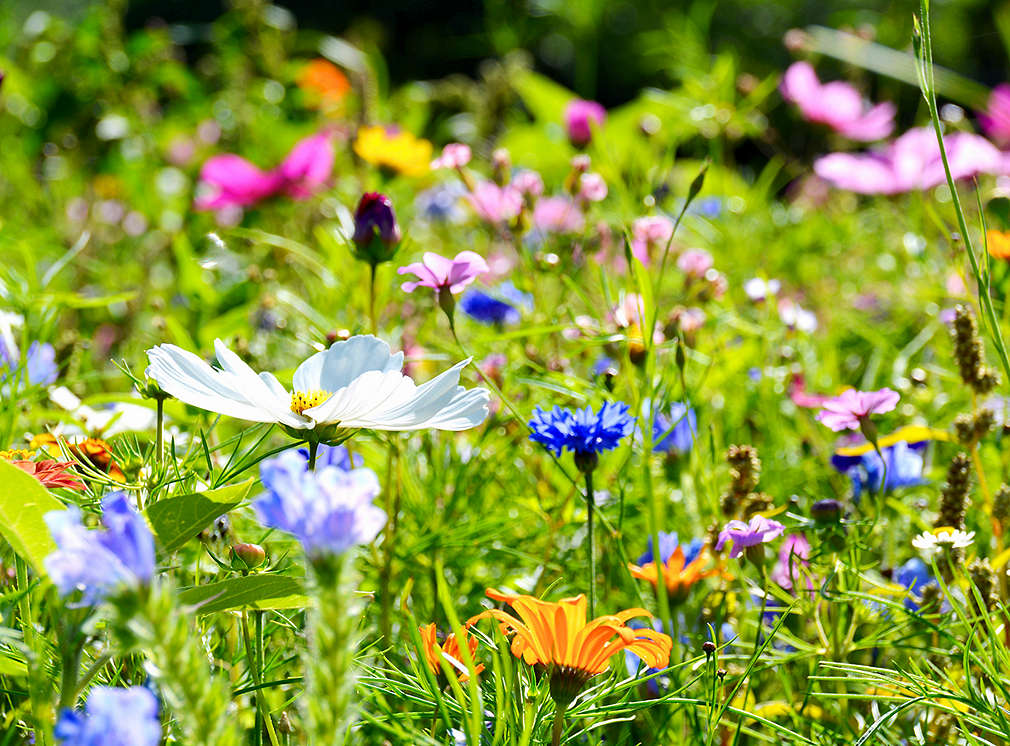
[[23, 502], [175, 520], [545, 99], [249, 592], [12, 668]]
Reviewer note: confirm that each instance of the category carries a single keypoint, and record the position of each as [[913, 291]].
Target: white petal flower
[[353, 384], [932, 542]]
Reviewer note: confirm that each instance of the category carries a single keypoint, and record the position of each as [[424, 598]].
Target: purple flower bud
[[376, 234], [580, 118]]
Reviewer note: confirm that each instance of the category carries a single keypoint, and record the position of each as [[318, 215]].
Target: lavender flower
[[329, 510], [100, 562], [112, 717], [745, 535]]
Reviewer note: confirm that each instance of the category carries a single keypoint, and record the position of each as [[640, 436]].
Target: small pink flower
[[558, 215], [437, 272], [308, 166], [592, 188], [995, 121], [837, 104], [801, 397], [649, 235], [580, 118], [848, 410], [689, 320], [454, 155], [495, 204], [793, 554], [694, 262], [759, 530], [528, 183]]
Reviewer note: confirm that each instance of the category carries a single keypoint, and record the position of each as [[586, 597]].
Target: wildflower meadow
[[504, 374]]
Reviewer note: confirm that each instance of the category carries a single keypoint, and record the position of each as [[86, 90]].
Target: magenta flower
[[694, 263], [851, 408], [454, 155], [743, 535], [837, 105], [437, 272], [912, 162], [495, 204], [231, 181], [581, 117], [995, 120], [649, 235], [558, 215]]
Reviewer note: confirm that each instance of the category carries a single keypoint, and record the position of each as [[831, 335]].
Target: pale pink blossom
[[454, 155], [912, 162], [837, 105], [592, 188], [437, 272], [528, 183], [995, 120], [649, 235], [794, 554], [558, 215], [694, 262], [848, 410], [495, 204]]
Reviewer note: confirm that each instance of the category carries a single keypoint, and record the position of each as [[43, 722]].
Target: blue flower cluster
[[674, 431], [581, 431], [100, 562], [112, 717], [904, 467], [668, 543], [328, 510], [503, 306], [914, 575], [40, 363]]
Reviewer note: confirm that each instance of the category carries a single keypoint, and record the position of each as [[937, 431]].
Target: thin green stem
[[371, 298], [159, 443], [591, 542], [35, 671], [252, 654], [559, 726], [313, 448]]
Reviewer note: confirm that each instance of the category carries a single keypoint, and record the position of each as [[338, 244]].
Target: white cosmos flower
[[353, 384], [932, 542]]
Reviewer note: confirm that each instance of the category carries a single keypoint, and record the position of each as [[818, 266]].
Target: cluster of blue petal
[[39, 365], [328, 510], [668, 544], [112, 717], [904, 467], [502, 306], [582, 430], [675, 430], [98, 563], [914, 575]]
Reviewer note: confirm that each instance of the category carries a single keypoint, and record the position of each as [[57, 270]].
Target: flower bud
[[826, 511], [581, 117], [708, 647], [247, 556], [586, 461], [376, 234]]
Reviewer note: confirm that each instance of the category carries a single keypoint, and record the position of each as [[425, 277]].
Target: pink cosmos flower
[[592, 188], [437, 272], [580, 118], [995, 120], [454, 155], [837, 104], [558, 215], [694, 263], [912, 162], [793, 554], [495, 204], [231, 181], [649, 235], [848, 410], [743, 535]]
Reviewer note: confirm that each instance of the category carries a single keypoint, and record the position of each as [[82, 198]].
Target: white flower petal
[[338, 366]]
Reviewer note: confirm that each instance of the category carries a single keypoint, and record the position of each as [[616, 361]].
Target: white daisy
[[932, 542], [352, 385]]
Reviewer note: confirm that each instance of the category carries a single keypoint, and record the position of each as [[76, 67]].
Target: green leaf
[[545, 99], [175, 520], [23, 502], [247, 592], [12, 668]]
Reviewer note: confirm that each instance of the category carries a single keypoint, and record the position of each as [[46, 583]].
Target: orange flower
[[449, 649], [998, 243], [91, 450], [51, 473], [324, 80], [678, 576], [558, 637]]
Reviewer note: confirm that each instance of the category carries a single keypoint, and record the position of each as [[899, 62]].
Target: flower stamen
[[302, 400]]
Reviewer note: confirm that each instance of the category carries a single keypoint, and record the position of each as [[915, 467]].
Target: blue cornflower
[[914, 575], [112, 717], [668, 543], [603, 365], [99, 562], [337, 456], [674, 431], [500, 307], [329, 510], [40, 362], [904, 467], [582, 432]]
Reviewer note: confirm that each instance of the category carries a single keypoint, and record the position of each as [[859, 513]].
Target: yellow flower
[[393, 148], [558, 637]]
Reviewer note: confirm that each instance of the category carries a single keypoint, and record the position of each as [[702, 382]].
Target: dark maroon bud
[[708, 646], [826, 511], [376, 234]]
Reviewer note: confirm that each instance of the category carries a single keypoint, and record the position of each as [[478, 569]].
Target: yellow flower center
[[302, 400]]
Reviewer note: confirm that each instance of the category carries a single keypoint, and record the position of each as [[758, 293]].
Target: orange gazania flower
[[558, 637], [449, 649], [324, 80], [94, 451], [998, 243], [679, 575], [51, 473]]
